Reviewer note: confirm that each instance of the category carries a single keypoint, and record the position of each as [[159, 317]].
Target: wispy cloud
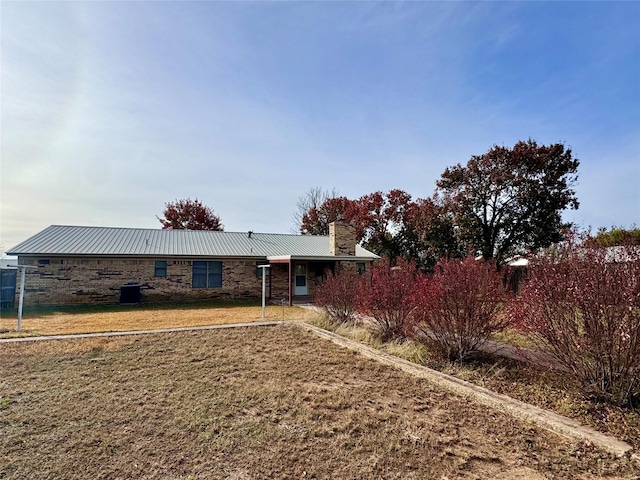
[[111, 109]]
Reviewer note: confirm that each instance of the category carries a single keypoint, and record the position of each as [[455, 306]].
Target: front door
[[300, 279]]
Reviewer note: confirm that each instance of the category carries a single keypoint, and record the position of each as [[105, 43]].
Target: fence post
[[23, 277]]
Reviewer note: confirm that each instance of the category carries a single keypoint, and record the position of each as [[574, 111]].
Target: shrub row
[[453, 311], [583, 305]]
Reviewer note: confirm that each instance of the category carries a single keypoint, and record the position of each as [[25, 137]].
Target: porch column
[[290, 286]]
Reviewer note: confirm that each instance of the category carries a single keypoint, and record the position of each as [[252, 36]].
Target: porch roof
[[342, 258]]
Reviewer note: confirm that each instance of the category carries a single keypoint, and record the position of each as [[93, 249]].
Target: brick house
[[130, 265]]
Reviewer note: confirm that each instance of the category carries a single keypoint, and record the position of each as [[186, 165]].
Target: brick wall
[[75, 280], [279, 281], [65, 280]]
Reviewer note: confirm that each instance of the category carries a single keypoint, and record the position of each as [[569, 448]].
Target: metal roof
[[109, 241]]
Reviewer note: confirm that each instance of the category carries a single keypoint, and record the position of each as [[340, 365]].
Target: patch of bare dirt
[[247, 403]]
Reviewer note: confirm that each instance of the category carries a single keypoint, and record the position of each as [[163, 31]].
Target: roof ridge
[[186, 230]]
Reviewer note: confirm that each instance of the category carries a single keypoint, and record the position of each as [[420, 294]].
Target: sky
[[109, 110]]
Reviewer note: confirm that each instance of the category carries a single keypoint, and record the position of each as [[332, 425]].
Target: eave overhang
[[345, 258]]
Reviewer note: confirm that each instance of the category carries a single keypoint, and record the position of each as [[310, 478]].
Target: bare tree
[[314, 198]]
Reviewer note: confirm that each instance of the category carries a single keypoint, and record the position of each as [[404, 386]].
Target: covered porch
[[294, 280]]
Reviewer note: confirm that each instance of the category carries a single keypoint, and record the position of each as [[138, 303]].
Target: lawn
[[52, 321], [258, 402]]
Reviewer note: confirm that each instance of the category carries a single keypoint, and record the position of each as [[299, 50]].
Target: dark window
[[206, 274], [161, 268], [43, 262], [361, 266]]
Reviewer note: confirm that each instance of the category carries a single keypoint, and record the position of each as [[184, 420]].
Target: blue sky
[[111, 109]]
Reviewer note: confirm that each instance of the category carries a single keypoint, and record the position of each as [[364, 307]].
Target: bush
[[458, 308], [384, 296], [337, 294], [584, 304]]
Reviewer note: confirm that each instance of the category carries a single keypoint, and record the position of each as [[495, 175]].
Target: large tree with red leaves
[[316, 220], [377, 217], [510, 200], [389, 224], [189, 215], [427, 234]]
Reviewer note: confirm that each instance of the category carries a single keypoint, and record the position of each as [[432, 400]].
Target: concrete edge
[[139, 332], [545, 419]]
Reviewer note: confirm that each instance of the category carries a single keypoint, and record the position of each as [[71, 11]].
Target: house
[[129, 265]]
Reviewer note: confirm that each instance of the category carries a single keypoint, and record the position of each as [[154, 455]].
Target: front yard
[[254, 403]]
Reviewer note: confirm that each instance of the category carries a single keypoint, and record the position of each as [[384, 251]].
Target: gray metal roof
[[108, 241]]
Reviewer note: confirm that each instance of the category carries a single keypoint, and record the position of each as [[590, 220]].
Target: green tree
[[510, 200], [615, 237]]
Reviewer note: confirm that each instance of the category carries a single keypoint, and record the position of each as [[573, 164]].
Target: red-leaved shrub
[[384, 296], [584, 304], [458, 308], [337, 294]]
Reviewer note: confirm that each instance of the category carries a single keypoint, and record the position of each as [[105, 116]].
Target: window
[[161, 268], [43, 261], [206, 274], [361, 266]]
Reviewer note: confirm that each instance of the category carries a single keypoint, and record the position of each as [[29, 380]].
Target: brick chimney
[[342, 238]]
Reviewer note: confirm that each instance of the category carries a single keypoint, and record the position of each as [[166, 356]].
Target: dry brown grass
[[143, 318], [538, 386], [261, 402], [511, 336]]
